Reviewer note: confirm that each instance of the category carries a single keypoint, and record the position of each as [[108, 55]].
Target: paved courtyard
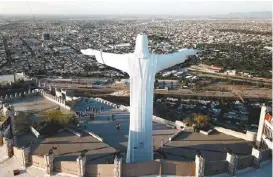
[[69, 147], [33, 104], [106, 128], [185, 146]]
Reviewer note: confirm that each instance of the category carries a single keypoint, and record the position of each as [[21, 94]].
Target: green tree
[[59, 117], [201, 120]]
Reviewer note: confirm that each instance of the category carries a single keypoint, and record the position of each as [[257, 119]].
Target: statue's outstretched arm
[[165, 61], [118, 61]]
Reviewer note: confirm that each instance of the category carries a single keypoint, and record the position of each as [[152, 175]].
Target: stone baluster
[[26, 156], [199, 165], [49, 158], [8, 147], [232, 160], [118, 165], [81, 161], [257, 157]]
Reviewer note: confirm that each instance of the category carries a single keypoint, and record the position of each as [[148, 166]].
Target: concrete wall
[[38, 161], [34, 132], [99, 170], [249, 136], [55, 99], [140, 169], [178, 168], [267, 155], [66, 167], [216, 167], [94, 135], [245, 161]]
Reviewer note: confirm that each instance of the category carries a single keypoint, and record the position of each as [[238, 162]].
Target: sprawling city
[[136, 95]]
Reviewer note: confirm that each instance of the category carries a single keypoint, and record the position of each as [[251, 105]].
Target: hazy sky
[[124, 7]]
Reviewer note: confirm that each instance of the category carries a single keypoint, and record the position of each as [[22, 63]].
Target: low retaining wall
[[140, 169], [55, 99], [175, 135], [34, 132], [178, 168], [206, 133], [245, 161], [267, 155], [18, 96], [94, 135], [102, 170], [164, 121], [66, 167], [249, 136], [74, 132], [38, 161], [216, 167]]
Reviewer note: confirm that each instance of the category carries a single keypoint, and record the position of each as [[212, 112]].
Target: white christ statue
[[141, 67]]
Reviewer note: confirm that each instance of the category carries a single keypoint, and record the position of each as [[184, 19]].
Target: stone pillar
[[81, 161], [49, 163], [118, 165], [232, 163], [261, 126], [199, 166], [8, 147], [26, 155], [257, 157]]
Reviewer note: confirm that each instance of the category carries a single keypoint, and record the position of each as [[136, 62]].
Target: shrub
[[201, 120]]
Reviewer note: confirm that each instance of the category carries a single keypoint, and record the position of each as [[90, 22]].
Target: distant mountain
[[248, 15]]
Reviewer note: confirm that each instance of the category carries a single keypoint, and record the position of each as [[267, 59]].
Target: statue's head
[[142, 44]]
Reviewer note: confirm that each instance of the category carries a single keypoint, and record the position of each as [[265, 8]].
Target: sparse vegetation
[[201, 120], [58, 117]]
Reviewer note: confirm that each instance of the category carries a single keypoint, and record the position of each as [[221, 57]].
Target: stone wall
[[244, 162], [54, 99], [100, 170], [267, 155], [178, 168], [38, 161], [249, 136], [66, 167], [216, 167], [140, 169]]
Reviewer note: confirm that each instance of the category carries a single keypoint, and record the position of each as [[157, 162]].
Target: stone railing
[[199, 168], [34, 132], [74, 132], [93, 134], [17, 96], [54, 99], [175, 135], [248, 136]]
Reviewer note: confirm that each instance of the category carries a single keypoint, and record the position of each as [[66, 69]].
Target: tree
[[201, 120], [59, 117]]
